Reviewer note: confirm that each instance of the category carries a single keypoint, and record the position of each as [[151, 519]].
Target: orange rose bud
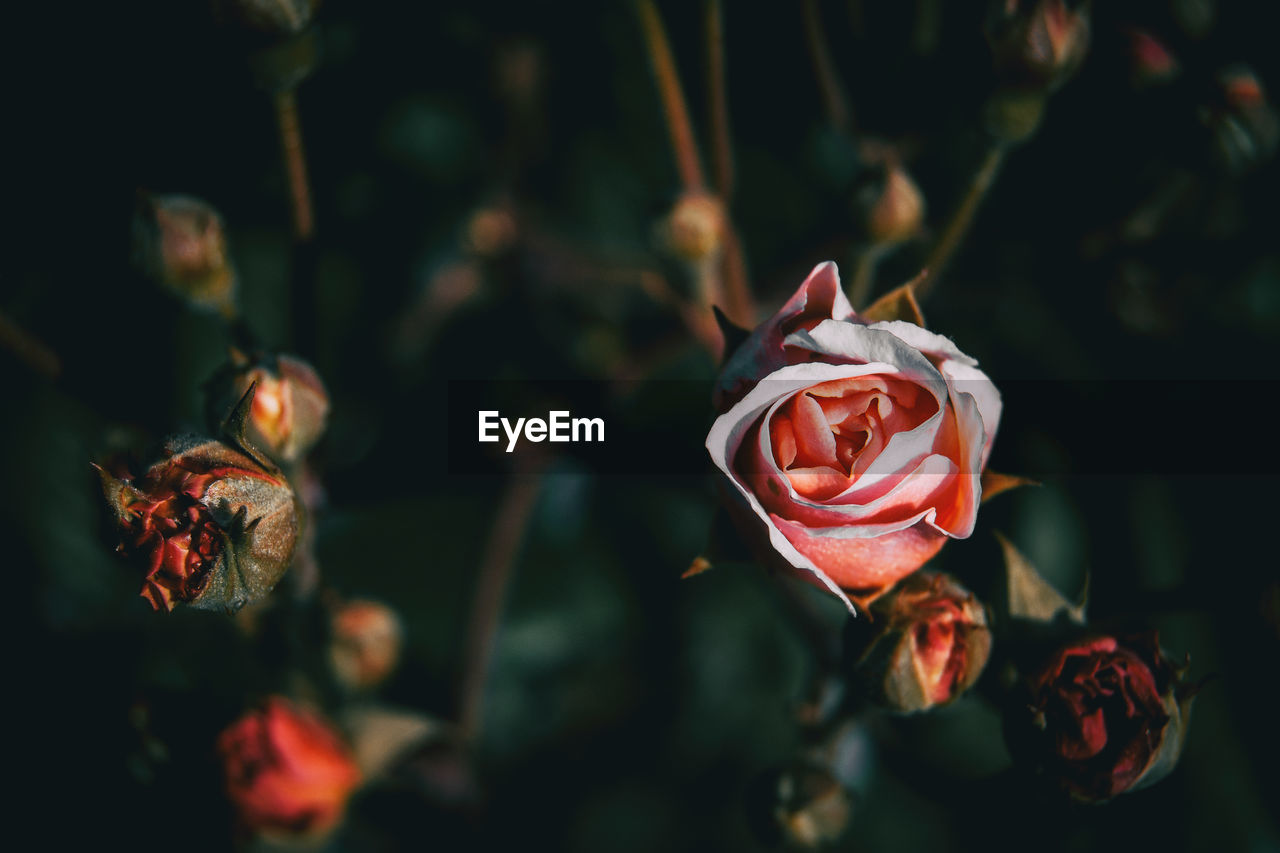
[[890, 205], [694, 229], [290, 405], [1101, 717], [1244, 126], [365, 648], [1038, 44], [925, 643], [180, 242], [287, 770], [212, 525]]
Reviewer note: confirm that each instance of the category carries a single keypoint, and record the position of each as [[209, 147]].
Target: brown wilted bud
[[290, 405], [1038, 44], [213, 524], [288, 772], [1244, 126], [889, 204], [179, 241], [1101, 716], [365, 646], [694, 229], [802, 806], [922, 645]]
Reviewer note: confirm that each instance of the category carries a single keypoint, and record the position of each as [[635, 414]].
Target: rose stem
[[864, 274], [674, 107], [508, 531], [304, 256], [29, 349], [960, 221], [833, 94], [740, 304]]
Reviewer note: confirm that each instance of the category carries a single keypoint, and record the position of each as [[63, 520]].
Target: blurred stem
[[673, 104], [295, 163], [508, 531], [29, 349], [960, 221], [721, 147], [864, 275], [740, 304], [833, 94]]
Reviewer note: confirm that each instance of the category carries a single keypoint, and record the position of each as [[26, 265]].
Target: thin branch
[[505, 536], [29, 349], [864, 274], [295, 163], [960, 221], [672, 95], [833, 94], [721, 146]]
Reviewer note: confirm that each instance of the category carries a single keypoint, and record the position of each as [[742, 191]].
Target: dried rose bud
[[366, 643], [890, 205], [1244, 126], [924, 643], [179, 241], [1038, 44], [1102, 716], [694, 229], [287, 770], [290, 405], [803, 806], [213, 524]]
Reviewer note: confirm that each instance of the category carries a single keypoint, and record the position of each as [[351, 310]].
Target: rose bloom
[[287, 771], [1100, 717], [926, 643], [854, 449]]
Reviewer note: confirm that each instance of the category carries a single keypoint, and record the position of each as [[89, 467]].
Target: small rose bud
[[1038, 43], [212, 524], [1244, 126], [803, 806], [366, 642], [179, 241], [287, 770], [267, 17], [1151, 63], [889, 204], [1101, 717], [923, 644], [491, 231], [290, 405], [694, 229]]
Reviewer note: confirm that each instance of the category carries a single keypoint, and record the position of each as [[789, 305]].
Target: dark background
[[628, 710]]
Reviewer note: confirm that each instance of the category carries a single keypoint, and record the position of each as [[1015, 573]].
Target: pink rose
[[855, 448]]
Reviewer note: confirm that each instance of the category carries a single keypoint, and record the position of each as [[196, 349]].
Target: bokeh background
[[1121, 284]]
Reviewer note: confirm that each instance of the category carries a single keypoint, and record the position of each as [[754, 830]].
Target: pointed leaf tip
[[1029, 595], [995, 483], [734, 334], [898, 304], [697, 567]]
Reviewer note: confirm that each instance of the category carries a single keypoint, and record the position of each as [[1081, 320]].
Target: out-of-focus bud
[[1195, 17], [213, 524], [889, 204], [287, 770], [1012, 115], [179, 241], [1101, 716], [922, 645], [694, 230], [290, 405], [1244, 126], [365, 646], [802, 806], [491, 231], [267, 17], [1038, 44], [1151, 63]]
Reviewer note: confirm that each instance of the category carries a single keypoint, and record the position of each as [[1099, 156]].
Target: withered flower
[[1038, 44], [365, 648], [1101, 716], [180, 241], [213, 523], [923, 645], [287, 770]]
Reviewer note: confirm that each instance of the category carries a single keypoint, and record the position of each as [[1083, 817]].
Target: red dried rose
[[212, 524], [290, 404], [1102, 717], [287, 770]]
